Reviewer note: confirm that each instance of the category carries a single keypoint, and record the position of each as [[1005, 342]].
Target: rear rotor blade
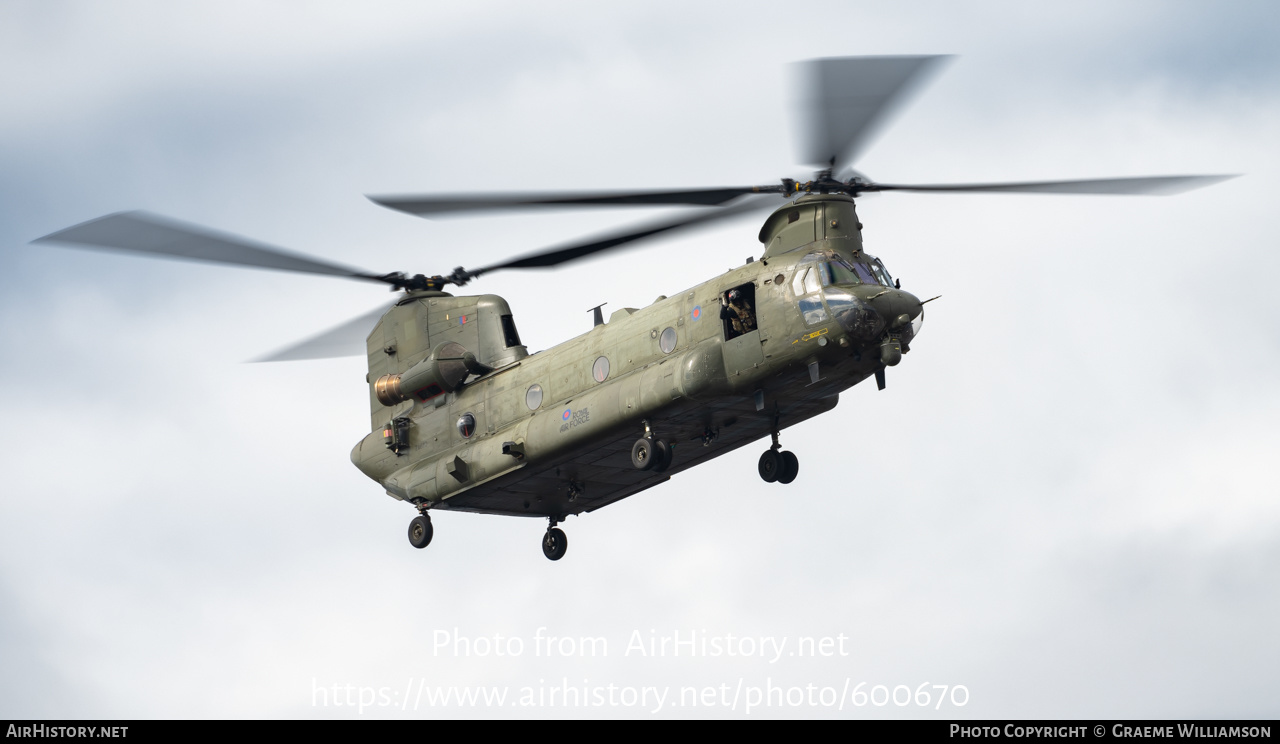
[[589, 246], [139, 232], [347, 339], [845, 100], [428, 204], [1157, 185]]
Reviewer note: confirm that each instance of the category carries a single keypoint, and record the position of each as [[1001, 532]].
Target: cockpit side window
[[811, 281], [881, 272], [812, 274], [797, 283]]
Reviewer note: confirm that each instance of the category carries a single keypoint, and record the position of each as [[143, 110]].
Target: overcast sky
[[1065, 501]]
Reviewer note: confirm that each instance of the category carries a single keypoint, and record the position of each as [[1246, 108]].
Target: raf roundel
[[567, 412], [697, 312]]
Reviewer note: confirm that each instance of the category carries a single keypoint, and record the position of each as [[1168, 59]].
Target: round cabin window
[[533, 398], [667, 342], [600, 370], [466, 425]]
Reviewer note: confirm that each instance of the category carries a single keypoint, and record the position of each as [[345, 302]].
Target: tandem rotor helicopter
[[463, 418]]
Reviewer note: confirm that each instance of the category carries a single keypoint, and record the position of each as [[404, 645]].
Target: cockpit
[[817, 272], [856, 291]]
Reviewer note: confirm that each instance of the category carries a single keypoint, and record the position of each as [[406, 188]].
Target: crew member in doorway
[[739, 313]]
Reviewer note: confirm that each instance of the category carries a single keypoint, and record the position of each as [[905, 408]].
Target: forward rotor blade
[[426, 204], [1156, 185], [589, 246], [139, 232], [845, 101], [347, 339]]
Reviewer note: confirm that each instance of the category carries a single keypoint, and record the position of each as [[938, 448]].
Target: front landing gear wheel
[[770, 464], [554, 544], [420, 531], [789, 467], [778, 467]]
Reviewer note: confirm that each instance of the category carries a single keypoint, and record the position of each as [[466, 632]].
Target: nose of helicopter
[[903, 314], [867, 311], [893, 305]]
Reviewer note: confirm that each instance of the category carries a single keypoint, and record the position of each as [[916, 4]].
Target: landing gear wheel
[[420, 531], [769, 466], [644, 454], [554, 544], [661, 456], [789, 467]]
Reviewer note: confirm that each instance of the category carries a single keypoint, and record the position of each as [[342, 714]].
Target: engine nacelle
[[443, 371]]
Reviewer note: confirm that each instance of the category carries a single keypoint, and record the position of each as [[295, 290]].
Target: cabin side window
[[600, 370], [466, 425], [667, 341]]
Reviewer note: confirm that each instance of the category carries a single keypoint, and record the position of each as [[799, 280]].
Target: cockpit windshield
[[822, 269], [838, 270]]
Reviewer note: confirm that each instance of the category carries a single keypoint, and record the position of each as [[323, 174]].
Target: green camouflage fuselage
[[706, 386]]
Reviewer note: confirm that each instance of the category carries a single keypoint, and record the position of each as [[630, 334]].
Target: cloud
[[1060, 501]]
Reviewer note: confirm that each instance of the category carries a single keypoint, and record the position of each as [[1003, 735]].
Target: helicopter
[[464, 418]]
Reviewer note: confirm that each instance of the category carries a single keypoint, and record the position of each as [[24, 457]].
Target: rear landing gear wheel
[[789, 467], [662, 453], [643, 454], [770, 464], [420, 531], [554, 544]]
